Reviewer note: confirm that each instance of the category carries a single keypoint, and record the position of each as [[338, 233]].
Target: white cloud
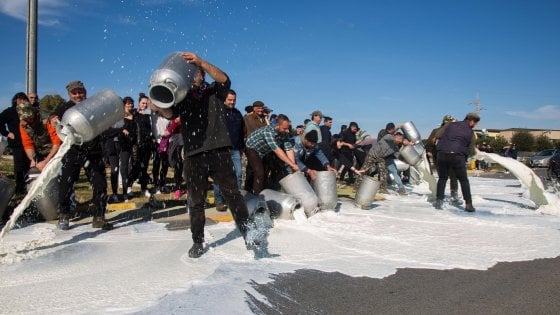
[[49, 10], [548, 112]]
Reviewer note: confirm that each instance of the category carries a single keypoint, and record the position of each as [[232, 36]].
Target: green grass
[[82, 186]]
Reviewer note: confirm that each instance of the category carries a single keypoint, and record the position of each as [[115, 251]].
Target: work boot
[[101, 223], [196, 250], [221, 207], [469, 207], [439, 204], [63, 222], [402, 191]]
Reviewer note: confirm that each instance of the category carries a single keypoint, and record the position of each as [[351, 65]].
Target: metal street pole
[[32, 46]]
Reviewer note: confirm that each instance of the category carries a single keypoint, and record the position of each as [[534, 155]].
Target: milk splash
[[527, 177], [51, 170]]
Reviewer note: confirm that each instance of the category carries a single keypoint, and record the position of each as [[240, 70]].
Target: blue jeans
[[236, 159], [392, 169]]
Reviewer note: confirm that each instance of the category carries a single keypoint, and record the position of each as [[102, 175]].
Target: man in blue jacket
[[305, 147], [455, 142]]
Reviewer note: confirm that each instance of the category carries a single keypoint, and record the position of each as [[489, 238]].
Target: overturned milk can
[[366, 192], [258, 209], [171, 81], [281, 205], [296, 184], [325, 188]]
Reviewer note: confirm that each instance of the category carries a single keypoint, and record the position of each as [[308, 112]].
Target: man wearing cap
[[88, 155], [40, 141], [269, 139], [305, 148], [455, 142], [255, 119], [431, 152], [316, 117]]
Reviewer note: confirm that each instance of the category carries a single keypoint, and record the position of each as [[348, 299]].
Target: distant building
[[507, 134]]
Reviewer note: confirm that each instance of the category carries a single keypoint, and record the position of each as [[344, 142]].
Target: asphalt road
[[530, 287]]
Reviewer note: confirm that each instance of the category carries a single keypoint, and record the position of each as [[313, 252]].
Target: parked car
[[553, 171], [542, 158]]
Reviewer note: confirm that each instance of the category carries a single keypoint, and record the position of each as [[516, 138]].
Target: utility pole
[[32, 46], [477, 106]]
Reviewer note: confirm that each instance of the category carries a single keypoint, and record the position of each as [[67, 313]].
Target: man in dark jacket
[[326, 138], [9, 117], [207, 143], [432, 152], [236, 126], [88, 155], [455, 143]]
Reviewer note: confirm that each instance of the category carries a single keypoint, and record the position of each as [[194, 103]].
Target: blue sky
[[364, 61]]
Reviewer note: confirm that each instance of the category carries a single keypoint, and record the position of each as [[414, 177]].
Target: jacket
[[456, 137], [203, 122], [9, 117], [302, 154]]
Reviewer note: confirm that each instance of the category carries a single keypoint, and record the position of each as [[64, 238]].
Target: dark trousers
[[94, 167], [258, 170], [456, 163], [348, 156], [218, 165], [453, 182], [139, 161], [160, 165], [21, 167], [113, 160], [124, 158]]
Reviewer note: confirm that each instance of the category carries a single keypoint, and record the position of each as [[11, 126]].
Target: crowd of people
[[204, 137]]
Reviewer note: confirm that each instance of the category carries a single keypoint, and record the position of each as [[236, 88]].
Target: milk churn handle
[[170, 82]]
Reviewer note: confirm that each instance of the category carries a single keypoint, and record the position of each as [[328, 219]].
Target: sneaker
[[196, 250], [63, 222], [402, 191], [439, 204], [100, 223], [147, 193], [221, 207], [469, 207], [129, 190]]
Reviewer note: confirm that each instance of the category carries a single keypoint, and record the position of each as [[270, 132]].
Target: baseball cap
[[75, 85], [258, 104]]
